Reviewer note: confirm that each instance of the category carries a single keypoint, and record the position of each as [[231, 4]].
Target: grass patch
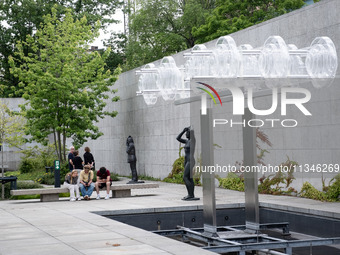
[[67, 194], [25, 176], [142, 177], [23, 197], [147, 178]]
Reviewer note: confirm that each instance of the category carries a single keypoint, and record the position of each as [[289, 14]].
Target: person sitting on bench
[[103, 179], [71, 182], [86, 185]]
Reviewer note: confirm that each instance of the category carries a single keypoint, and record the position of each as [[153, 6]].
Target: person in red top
[[103, 179]]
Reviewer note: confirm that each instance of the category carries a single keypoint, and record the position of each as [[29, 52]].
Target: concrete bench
[[124, 190], [52, 194], [46, 195]]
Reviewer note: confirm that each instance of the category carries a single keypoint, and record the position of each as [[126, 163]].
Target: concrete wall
[[316, 139], [11, 156], [154, 128]]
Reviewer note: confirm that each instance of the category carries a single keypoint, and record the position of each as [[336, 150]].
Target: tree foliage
[[19, 18], [162, 27], [230, 16], [11, 127], [65, 85]]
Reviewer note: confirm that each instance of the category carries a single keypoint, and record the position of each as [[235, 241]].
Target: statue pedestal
[[190, 198], [134, 182]]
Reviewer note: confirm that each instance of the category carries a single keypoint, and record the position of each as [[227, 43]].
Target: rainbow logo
[[209, 93]]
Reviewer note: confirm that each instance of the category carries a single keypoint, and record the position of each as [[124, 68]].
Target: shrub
[[330, 193], [272, 184], [175, 178], [20, 185], [94, 176], [114, 177], [275, 184], [28, 185], [48, 179], [35, 158], [232, 181], [26, 166], [177, 172], [7, 191], [64, 170], [308, 191], [333, 191], [177, 167]]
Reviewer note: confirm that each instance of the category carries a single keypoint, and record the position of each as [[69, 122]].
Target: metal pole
[[250, 177], [2, 172], [56, 173], [209, 202]]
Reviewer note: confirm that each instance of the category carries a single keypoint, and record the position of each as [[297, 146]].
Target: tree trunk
[[59, 146], [55, 144], [2, 172], [64, 145]]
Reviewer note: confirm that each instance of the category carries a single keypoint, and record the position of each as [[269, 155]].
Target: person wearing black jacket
[[88, 158], [78, 163]]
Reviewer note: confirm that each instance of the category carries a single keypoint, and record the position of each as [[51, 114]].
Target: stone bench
[[46, 195], [52, 194], [124, 190]]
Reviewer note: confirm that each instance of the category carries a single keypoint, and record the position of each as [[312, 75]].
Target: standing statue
[[189, 162], [132, 159]]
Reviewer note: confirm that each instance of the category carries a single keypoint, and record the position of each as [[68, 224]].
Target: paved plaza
[[64, 227]]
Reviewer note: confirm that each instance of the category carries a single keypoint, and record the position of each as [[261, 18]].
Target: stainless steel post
[[209, 202], [250, 175]]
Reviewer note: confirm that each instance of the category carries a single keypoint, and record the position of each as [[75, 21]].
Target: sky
[[112, 28]]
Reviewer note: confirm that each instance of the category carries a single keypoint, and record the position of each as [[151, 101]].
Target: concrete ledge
[[49, 197], [165, 209], [134, 186], [52, 194], [121, 193], [46, 195], [124, 190], [305, 211], [19, 192]]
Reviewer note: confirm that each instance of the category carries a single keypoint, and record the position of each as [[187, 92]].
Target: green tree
[[230, 16], [65, 85], [117, 43], [11, 132], [161, 28], [19, 18]]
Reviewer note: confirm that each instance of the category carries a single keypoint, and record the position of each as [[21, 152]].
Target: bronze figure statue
[[189, 161], [132, 159]]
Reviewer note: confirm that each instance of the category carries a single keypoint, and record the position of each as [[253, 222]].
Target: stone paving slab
[[64, 227], [40, 249]]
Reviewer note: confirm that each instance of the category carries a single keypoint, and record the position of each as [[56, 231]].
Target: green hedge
[[20, 185]]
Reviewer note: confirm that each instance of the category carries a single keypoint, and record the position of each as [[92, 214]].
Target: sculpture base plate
[[190, 198], [135, 182]]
